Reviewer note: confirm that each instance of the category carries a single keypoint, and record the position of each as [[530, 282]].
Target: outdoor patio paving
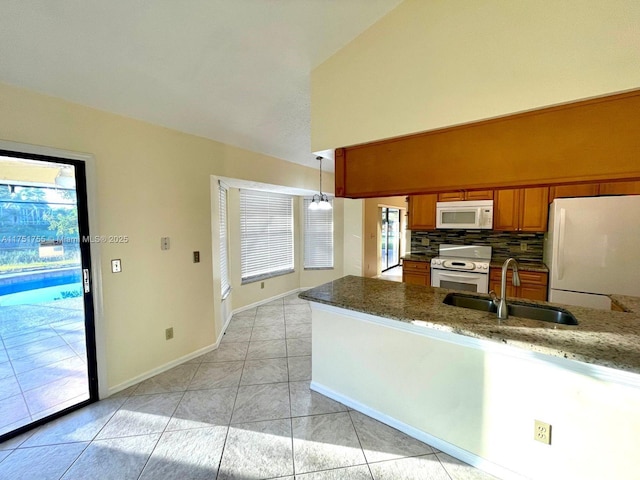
[[43, 362]]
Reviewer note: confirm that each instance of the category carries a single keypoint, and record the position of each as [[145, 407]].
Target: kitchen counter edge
[[606, 338]]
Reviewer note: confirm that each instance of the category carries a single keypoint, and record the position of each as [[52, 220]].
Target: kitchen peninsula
[[472, 387]]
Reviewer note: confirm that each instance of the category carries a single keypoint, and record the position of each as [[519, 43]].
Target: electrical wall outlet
[[425, 242], [165, 243], [168, 333], [523, 246], [542, 432]]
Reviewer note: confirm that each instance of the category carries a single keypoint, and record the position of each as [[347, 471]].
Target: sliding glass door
[[47, 339], [390, 224]]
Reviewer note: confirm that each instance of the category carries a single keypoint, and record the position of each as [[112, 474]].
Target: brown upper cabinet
[[465, 195], [515, 210], [521, 209], [422, 212], [566, 191], [620, 188], [594, 189], [595, 140]]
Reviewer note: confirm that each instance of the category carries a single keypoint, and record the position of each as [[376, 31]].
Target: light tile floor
[[43, 360], [243, 411], [393, 274]]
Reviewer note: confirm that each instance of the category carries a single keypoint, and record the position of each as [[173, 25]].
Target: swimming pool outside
[[42, 295]]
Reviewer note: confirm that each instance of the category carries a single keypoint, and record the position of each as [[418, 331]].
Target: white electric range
[[461, 267]]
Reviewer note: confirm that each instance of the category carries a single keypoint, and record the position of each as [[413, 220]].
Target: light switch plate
[[196, 257], [116, 266]]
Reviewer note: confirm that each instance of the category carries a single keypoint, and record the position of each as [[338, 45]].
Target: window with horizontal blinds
[[318, 237], [224, 243], [266, 235]]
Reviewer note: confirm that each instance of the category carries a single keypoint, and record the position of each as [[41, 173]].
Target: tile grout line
[[162, 433], [286, 350], [360, 443], [169, 421], [93, 439], [226, 437], [15, 377], [442, 465], [293, 453], [85, 374]]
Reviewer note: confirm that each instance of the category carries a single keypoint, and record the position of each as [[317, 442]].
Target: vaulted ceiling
[[236, 71]]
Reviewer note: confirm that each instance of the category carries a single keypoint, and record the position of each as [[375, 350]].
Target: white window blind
[[266, 235], [224, 242], [318, 237]]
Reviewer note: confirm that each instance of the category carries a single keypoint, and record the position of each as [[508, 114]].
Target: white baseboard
[[446, 447], [162, 368], [174, 363], [267, 300]]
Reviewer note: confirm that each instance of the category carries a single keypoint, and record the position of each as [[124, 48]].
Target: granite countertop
[[418, 257], [522, 265], [607, 338], [628, 304]]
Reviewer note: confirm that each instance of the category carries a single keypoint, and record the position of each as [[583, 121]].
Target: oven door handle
[[463, 277]]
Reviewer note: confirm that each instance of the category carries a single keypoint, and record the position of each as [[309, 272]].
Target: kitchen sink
[[516, 308]]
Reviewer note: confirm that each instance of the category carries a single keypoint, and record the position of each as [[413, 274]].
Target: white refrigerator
[[592, 249]]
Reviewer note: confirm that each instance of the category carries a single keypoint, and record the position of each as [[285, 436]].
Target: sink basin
[[517, 309]]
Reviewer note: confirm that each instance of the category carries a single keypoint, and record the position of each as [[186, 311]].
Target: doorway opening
[[47, 334], [390, 239]]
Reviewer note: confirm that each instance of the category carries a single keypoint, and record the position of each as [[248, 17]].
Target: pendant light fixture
[[320, 201]]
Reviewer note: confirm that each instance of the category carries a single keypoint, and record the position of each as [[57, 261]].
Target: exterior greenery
[[29, 218]]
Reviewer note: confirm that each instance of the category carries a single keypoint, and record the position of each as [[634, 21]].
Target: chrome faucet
[[501, 303]]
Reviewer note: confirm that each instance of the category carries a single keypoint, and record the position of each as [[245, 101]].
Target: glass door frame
[[81, 163], [384, 238]]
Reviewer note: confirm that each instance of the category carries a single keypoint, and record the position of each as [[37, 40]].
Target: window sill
[[259, 278]]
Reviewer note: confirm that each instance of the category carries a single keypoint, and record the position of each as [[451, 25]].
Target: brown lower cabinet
[[416, 273], [533, 285]]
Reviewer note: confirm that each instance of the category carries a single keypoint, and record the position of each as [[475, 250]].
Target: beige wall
[[154, 182], [481, 397], [429, 64], [373, 232], [353, 236]]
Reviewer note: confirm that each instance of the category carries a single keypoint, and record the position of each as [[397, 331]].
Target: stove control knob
[[437, 262], [484, 267]]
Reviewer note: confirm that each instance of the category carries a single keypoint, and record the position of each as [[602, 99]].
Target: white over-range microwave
[[476, 214]]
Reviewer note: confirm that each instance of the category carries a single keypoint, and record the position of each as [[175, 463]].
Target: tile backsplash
[[503, 244]]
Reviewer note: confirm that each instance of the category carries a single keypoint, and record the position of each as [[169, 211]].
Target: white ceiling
[[236, 71]]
